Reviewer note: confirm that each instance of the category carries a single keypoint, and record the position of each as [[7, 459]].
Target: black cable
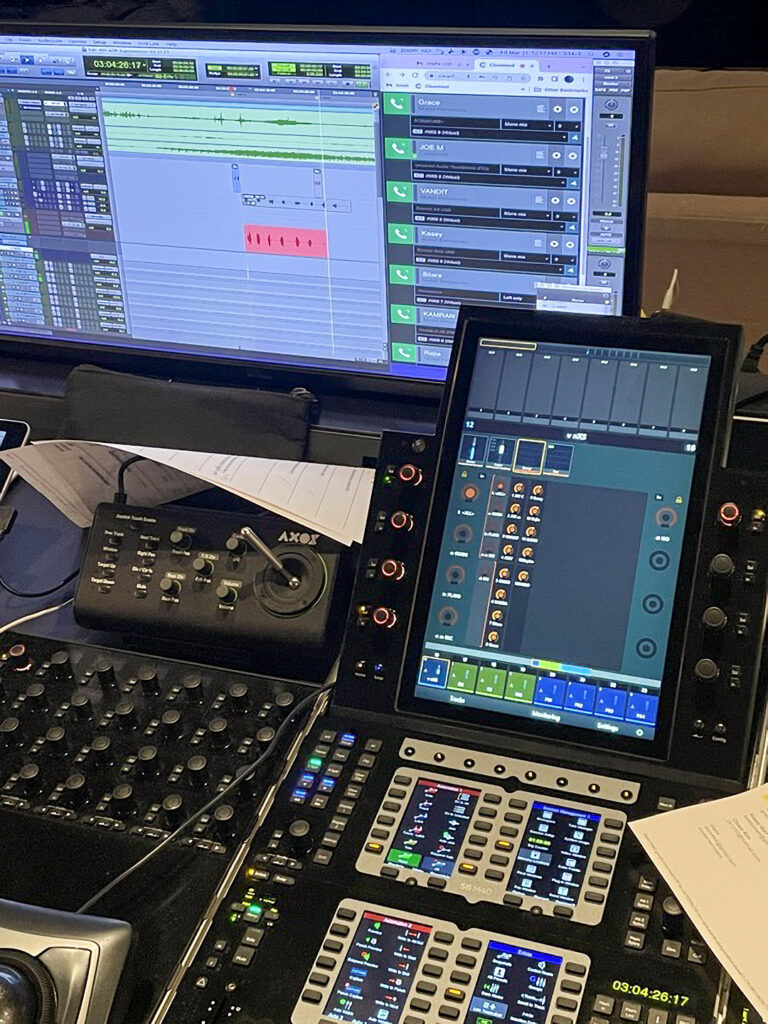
[[121, 498], [312, 698], [38, 593]]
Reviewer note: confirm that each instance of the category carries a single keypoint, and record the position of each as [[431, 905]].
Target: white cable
[[672, 290], [33, 615]]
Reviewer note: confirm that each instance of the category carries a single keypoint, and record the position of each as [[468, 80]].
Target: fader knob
[[714, 617], [81, 705], [197, 767], [36, 698], [173, 809], [61, 666], [672, 918], [238, 697], [125, 713], [265, 735], [105, 671], [224, 821], [721, 565], [172, 723], [218, 731], [284, 700], [76, 789], [706, 670], [147, 676], [300, 836], [193, 687]]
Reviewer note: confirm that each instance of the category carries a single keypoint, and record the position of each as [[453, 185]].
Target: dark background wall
[[692, 33]]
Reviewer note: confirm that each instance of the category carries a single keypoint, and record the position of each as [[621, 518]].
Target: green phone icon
[[398, 149], [397, 103], [400, 274], [402, 314], [404, 353], [401, 233], [399, 191]]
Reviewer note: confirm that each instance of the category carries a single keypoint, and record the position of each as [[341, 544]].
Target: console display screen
[[553, 856], [515, 985], [561, 549], [378, 971], [433, 827]]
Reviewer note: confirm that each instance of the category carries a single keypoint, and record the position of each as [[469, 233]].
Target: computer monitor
[[314, 199], [573, 465]]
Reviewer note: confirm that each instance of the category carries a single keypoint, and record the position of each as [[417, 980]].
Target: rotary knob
[[172, 723], [61, 666], [203, 567], [181, 540], [672, 918], [171, 588], [392, 569], [17, 654], [147, 676], [106, 672], [706, 670], [56, 741], [148, 761], [721, 565], [224, 821], [226, 594], [30, 778], [101, 749], [10, 732], [173, 809], [197, 769], [81, 705], [76, 789], [193, 687], [410, 474], [238, 697], [218, 731], [384, 617], [300, 836], [36, 698], [125, 712], [284, 700], [235, 545], [402, 521], [714, 617], [729, 514], [265, 735], [123, 800]]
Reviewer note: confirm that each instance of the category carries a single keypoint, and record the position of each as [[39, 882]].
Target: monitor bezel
[[614, 332], [269, 371]]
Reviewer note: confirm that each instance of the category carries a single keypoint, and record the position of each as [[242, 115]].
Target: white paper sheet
[[77, 475], [715, 858]]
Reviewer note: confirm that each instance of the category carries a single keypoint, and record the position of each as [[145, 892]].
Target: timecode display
[[140, 67], [657, 995]]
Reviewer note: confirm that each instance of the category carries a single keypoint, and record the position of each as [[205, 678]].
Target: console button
[[630, 1011]]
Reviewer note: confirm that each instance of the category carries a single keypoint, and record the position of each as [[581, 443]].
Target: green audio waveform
[[253, 132]]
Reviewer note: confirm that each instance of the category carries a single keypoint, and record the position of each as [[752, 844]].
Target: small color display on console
[[433, 827], [553, 856], [379, 969], [515, 985]]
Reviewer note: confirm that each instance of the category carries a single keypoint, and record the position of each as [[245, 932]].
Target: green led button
[[398, 149], [404, 353], [491, 682], [401, 274], [397, 103], [462, 677], [399, 191], [403, 234], [520, 687], [402, 314], [253, 913], [404, 858], [314, 764]]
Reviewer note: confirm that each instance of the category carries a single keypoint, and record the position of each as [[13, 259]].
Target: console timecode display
[[555, 850], [377, 974], [515, 984], [433, 827]]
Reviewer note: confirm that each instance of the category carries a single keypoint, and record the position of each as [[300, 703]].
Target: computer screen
[[569, 511], [319, 200]]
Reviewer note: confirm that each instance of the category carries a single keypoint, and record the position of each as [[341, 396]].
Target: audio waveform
[[265, 154], [284, 122]]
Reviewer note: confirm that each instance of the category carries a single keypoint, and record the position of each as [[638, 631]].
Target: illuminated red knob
[[401, 520], [392, 569], [385, 617], [729, 514], [410, 474]]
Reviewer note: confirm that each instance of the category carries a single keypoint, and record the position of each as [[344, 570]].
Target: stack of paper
[[76, 476]]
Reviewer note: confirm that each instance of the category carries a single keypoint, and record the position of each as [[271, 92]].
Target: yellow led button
[[468, 869], [374, 847]]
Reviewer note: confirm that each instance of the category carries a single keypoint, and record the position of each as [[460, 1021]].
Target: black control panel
[[120, 743], [181, 572]]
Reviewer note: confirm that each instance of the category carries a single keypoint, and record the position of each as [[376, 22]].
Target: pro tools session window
[[318, 204], [559, 562]]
